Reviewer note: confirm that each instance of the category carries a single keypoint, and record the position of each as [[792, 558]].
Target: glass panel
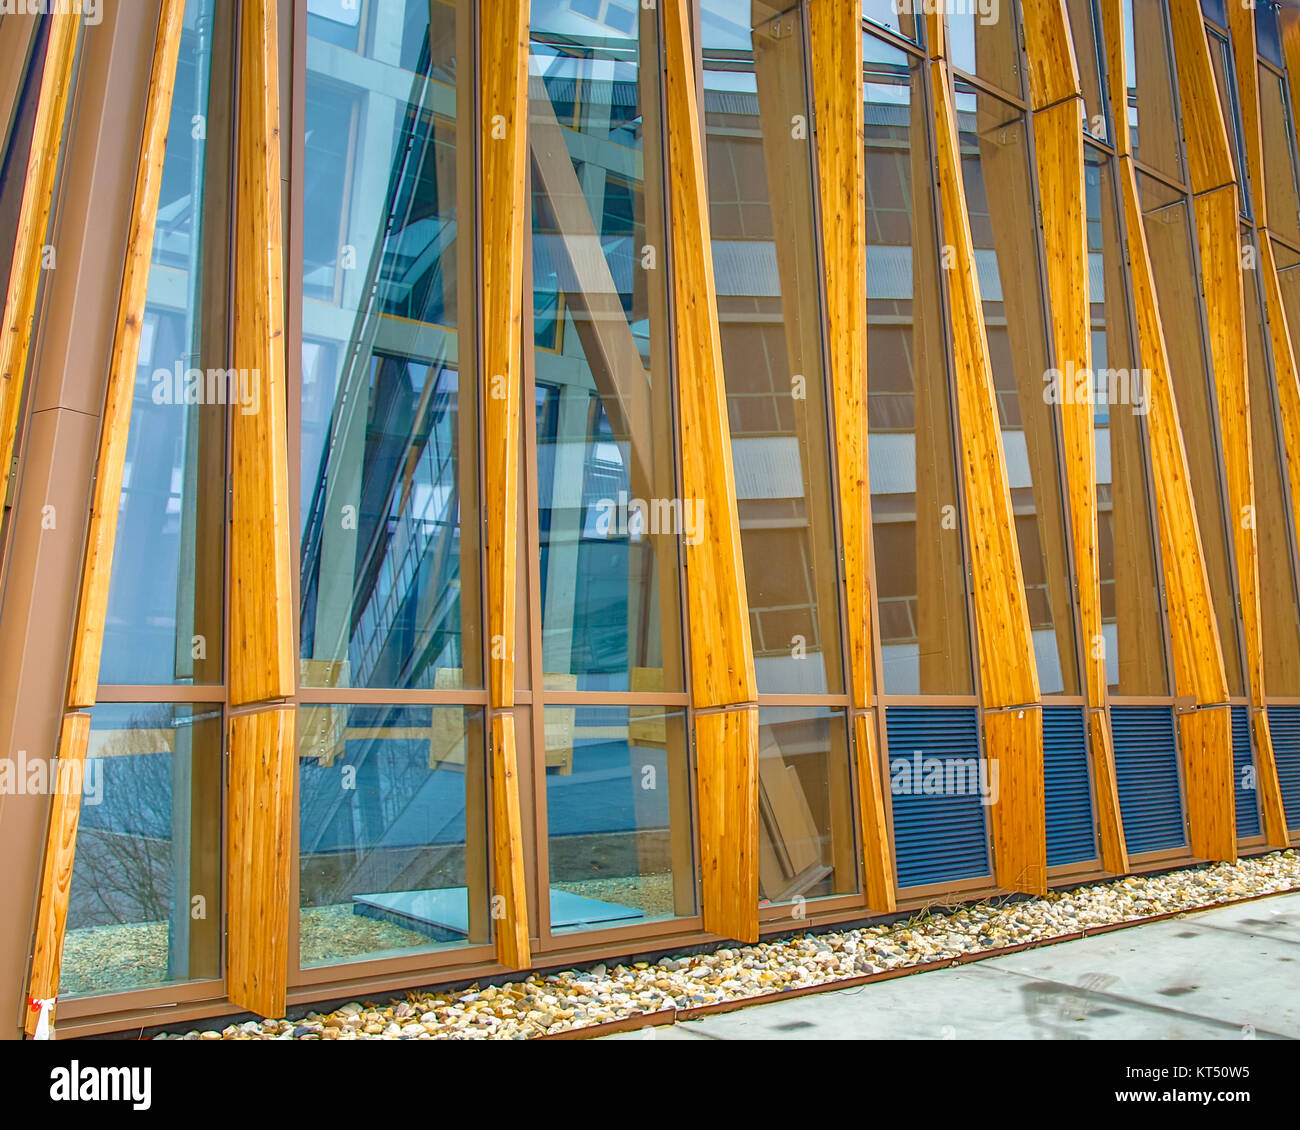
[[1178, 295], [1133, 634], [1279, 158], [806, 842], [1268, 36], [618, 816], [1225, 80], [760, 182], [392, 831], [165, 596], [145, 904], [1087, 48], [1001, 205], [896, 15], [1148, 70], [1213, 10], [982, 41], [1273, 524], [389, 455], [609, 514], [920, 569]]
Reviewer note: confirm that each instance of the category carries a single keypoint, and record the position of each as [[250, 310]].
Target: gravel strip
[[581, 998]]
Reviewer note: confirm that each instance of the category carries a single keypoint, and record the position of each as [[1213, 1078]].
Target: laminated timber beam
[[24, 277], [1056, 106], [836, 33], [61, 836], [1008, 674], [262, 748], [723, 684], [1197, 653], [1216, 196], [1241, 27], [503, 71]]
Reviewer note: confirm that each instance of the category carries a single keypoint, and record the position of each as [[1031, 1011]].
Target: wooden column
[[836, 32], [25, 269], [1194, 637], [61, 837], [1013, 723], [503, 76], [723, 685], [1057, 108], [260, 627]]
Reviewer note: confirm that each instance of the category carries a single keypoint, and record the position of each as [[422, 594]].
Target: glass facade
[[920, 566]]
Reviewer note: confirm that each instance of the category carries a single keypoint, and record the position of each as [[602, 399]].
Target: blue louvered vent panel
[[1243, 772], [1071, 837], [939, 837], [1146, 772], [1284, 724]]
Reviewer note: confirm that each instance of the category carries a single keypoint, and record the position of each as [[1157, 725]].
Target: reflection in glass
[[1132, 630], [806, 844], [1279, 158], [165, 596], [608, 509], [982, 41], [1169, 237], [919, 563], [1280, 622], [618, 813], [389, 463], [148, 850], [892, 14], [760, 183], [392, 831], [1148, 69], [1001, 205], [1085, 29]]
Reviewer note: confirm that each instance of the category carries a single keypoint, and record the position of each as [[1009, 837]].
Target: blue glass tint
[[618, 814], [389, 501], [145, 904], [609, 516], [392, 831], [164, 621]]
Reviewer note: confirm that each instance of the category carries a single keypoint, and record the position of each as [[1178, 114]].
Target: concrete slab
[[1223, 974]]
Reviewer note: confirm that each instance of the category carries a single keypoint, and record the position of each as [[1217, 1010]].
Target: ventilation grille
[[1284, 724], [1146, 772], [938, 837], [1245, 792], [1071, 835]]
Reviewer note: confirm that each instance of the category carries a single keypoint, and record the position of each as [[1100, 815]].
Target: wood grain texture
[[503, 62], [24, 278], [1105, 791], [261, 623], [1222, 287], [1008, 673], [877, 853], [727, 795], [1205, 737], [101, 536], [504, 155], [723, 670], [1013, 749], [1049, 49], [1271, 805], [509, 894], [1205, 132], [60, 853], [1193, 629], [837, 77], [1112, 35], [259, 858]]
